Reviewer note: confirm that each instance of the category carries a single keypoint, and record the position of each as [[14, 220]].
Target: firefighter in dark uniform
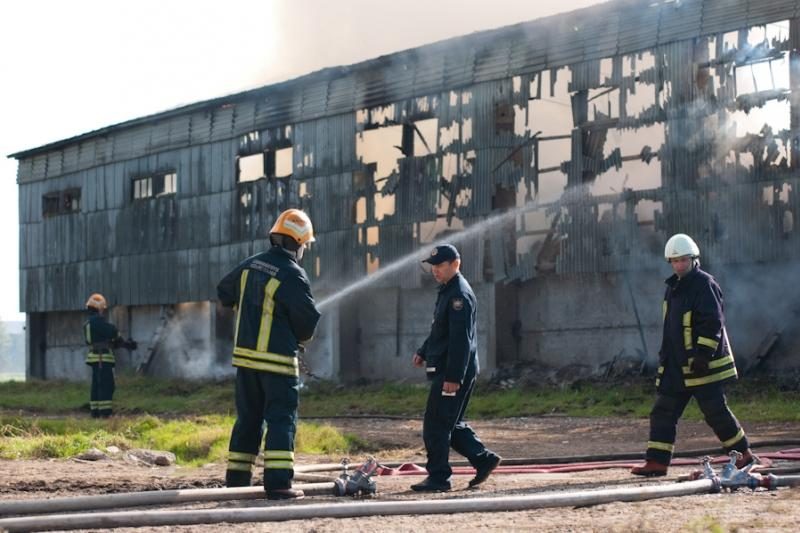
[[275, 313], [695, 360], [102, 338], [450, 358]]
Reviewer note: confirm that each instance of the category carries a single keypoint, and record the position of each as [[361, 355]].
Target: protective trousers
[[668, 409], [263, 397], [102, 391], [444, 426]]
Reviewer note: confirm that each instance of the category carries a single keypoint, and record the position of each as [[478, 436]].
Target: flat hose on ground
[[635, 456], [279, 513]]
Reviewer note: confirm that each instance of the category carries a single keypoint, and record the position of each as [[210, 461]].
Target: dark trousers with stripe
[[264, 397], [444, 427], [102, 389], [668, 409]]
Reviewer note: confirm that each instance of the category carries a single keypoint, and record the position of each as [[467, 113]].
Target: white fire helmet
[[680, 245]]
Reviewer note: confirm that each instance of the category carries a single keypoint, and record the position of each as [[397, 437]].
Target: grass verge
[[194, 441]]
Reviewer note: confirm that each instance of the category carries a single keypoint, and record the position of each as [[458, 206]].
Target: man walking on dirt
[[695, 360], [275, 312], [450, 358]]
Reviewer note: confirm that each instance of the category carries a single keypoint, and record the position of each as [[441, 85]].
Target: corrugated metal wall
[[175, 248]]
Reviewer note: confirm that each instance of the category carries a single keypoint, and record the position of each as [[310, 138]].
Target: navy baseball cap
[[440, 254]]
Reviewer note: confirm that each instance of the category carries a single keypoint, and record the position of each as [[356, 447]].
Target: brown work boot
[[285, 494], [650, 468]]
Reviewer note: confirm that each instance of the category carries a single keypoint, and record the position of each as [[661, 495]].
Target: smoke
[[187, 349]]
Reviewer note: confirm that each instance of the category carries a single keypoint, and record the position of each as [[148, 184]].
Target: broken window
[[274, 162], [770, 74], [282, 163], [161, 184], [50, 204], [503, 117], [61, 202], [250, 167]]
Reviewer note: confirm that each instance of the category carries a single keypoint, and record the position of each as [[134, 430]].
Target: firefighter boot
[[650, 468], [237, 478]]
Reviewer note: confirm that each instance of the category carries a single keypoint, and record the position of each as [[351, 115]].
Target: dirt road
[[400, 440]]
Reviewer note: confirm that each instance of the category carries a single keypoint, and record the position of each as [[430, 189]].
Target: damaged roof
[[604, 30]]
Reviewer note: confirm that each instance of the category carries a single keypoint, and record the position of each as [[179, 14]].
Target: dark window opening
[[61, 202]]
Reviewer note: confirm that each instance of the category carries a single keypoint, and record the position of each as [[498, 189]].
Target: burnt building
[[573, 146]]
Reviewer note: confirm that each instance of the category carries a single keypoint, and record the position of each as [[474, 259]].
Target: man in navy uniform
[[275, 313], [102, 338], [450, 358], [695, 360]]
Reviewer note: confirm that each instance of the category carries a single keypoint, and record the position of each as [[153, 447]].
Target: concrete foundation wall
[[588, 320], [393, 324]]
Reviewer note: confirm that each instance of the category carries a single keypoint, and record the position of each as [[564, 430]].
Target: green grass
[[751, 400], [193, 419], [194, 440], [133, 395]]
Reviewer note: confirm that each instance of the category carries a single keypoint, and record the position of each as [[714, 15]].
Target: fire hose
[[356, 509], [702, 482]]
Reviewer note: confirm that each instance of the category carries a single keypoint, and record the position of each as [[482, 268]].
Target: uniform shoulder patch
[[458, 304]]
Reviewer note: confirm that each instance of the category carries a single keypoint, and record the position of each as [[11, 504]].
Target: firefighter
[[275, 314], [450, 358], [695, 360], [102, 337]]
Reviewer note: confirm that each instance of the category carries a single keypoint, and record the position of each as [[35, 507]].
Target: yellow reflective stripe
[[278, 454], [278, 465], [266, 367], [665, 446], [664, 310], [658, 382], [687, 330], [733, 440], [287, 360], [92, 357], [265, 329], [242, 285], [242, 457], [722, 361], [660, 369], [705, 341], [88, 333], [242, 467], [714, 363], [731, 372]]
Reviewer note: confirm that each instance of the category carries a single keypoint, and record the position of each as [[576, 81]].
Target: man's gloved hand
[[699, 365], [130, 344]]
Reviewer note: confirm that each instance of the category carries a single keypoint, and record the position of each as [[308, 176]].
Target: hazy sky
[[71, 67]]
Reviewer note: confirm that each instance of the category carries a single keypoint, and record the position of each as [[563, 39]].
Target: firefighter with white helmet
[[275, 313], [695, 360], [102, 338]]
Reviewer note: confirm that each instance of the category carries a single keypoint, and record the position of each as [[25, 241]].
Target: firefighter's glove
[[131, 344], [699, 365]]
